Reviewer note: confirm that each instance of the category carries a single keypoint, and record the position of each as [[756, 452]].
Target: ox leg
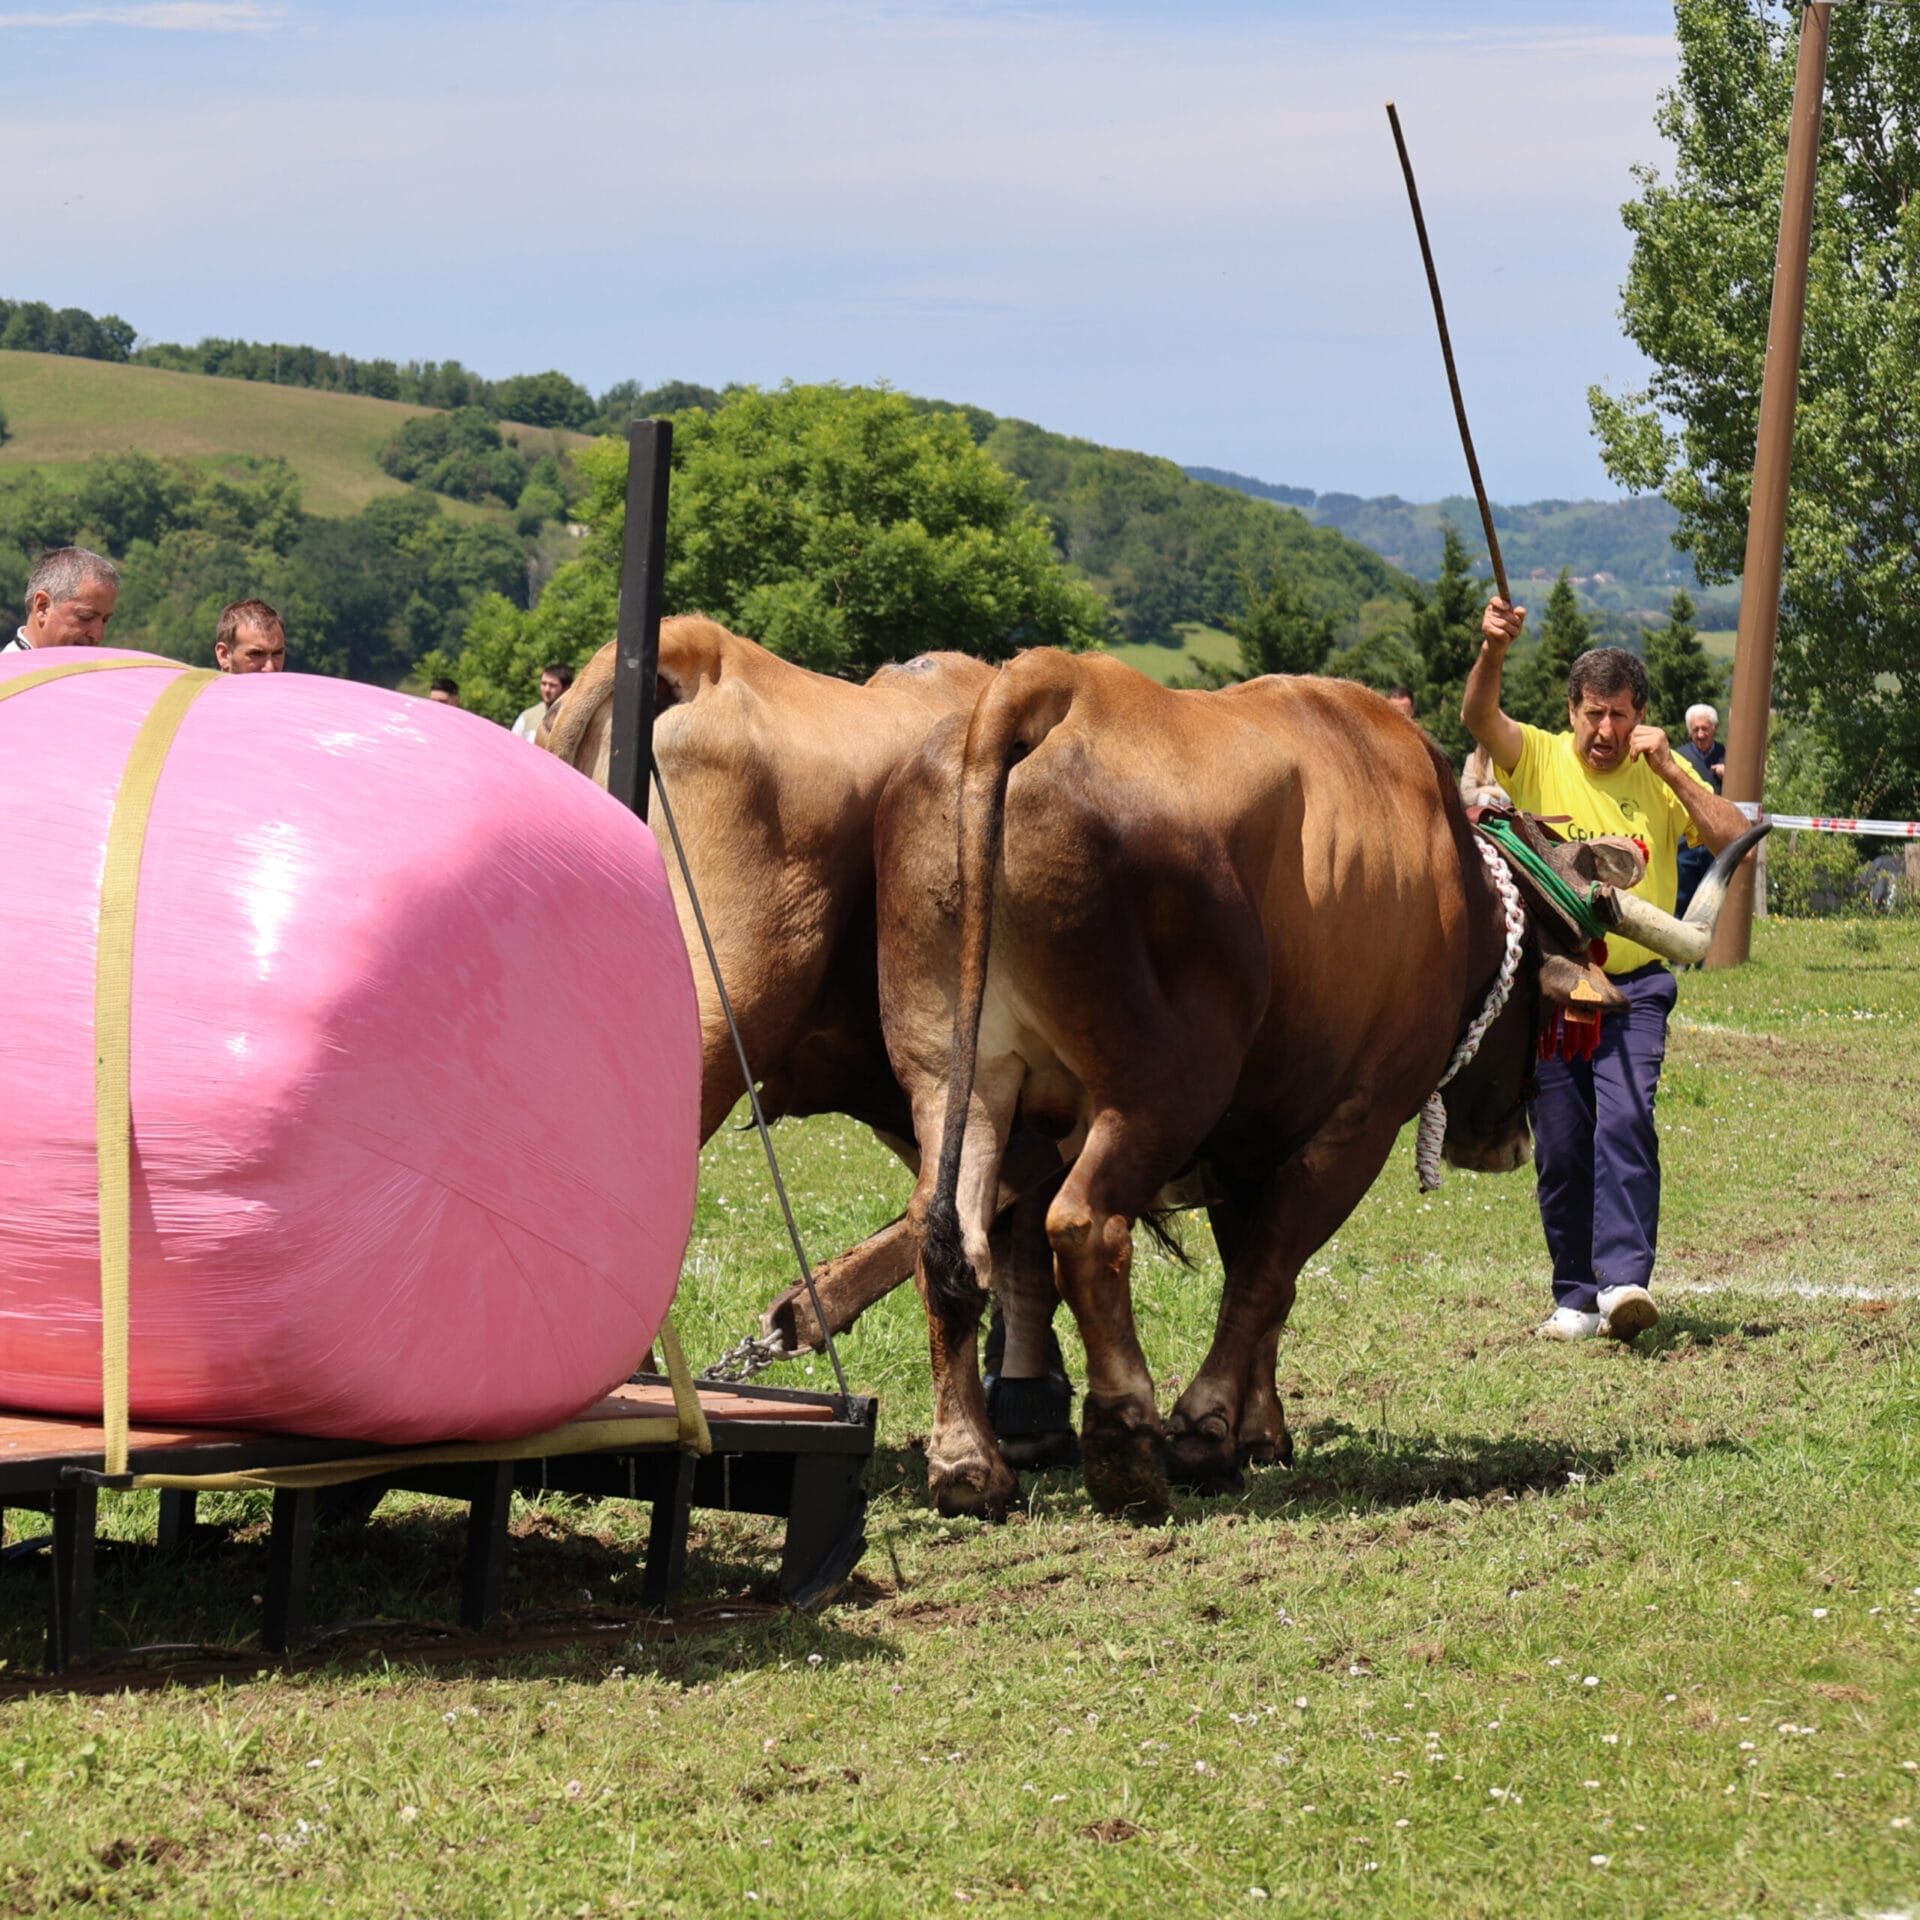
[[1121, 1443], [1264, 1438], [966, 1473], [1304, 1203], [1028, 1395]]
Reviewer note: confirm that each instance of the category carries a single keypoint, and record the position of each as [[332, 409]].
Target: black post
[[643, 557]]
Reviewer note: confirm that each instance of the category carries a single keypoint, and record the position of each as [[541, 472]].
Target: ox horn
[[1682, 941]]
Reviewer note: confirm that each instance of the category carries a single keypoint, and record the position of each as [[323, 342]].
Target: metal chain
[[754, 1355]]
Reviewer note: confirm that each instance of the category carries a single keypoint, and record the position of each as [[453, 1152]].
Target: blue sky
[[1176, 228]]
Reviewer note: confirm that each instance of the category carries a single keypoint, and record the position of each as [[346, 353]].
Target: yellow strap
[[113, 1034], [694, 1436], [41, 676]]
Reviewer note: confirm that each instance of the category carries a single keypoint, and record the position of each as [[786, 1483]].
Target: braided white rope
[[1433, 1116]]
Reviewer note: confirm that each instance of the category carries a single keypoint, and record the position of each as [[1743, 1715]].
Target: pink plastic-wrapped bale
[[415, 1065]]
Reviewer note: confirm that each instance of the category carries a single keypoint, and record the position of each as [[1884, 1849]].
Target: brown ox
[[774, 774], [1238, 932]]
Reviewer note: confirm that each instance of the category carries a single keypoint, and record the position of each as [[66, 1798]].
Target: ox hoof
[[975, 1490], [1125, 1459], [1203, 1464], [1262, 1450], [1202, 1455], [1033, 1421]]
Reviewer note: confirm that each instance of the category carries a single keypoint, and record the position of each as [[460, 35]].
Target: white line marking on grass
[[1794, 1290]]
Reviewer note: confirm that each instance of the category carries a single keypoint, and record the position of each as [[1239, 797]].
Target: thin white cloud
[[162, 16]]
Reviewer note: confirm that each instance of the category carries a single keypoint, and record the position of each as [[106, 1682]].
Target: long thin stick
[[1446, 352]]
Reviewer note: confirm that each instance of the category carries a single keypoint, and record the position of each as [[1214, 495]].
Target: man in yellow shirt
[[1595, 1145]]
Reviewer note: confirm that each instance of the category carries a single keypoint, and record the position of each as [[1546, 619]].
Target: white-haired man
[[70, 598], [1708, 758]]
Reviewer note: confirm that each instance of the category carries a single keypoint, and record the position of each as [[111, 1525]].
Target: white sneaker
[[1626, 1311], [1568, 1323]]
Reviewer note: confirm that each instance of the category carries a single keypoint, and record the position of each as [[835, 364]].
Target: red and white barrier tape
[[1815, 823]]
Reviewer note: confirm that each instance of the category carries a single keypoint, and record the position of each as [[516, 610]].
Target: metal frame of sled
[[774, 1452]]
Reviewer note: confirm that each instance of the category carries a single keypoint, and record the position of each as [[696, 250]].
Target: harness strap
[[1433, 1115], [1577, 906]]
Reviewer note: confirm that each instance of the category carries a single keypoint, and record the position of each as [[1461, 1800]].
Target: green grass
[[1718, 642], [1515, 1607], [62, 411], [1198, 643]]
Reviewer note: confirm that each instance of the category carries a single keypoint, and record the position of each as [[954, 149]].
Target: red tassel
[[1565, 1039]]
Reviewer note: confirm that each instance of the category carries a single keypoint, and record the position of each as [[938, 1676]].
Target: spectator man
[[1400, 699], [554, 681], [445, 691], [250, 639], [1706, 756], [1595, 1145], [70, 598]]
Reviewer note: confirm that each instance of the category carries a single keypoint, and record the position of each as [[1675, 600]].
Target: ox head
[[1486, 1102]]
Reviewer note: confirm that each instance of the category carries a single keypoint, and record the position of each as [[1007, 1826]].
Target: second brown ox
[[1232, 934], [774, 774]]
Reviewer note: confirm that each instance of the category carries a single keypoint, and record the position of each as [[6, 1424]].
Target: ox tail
[[1015, 714], [566, 733]]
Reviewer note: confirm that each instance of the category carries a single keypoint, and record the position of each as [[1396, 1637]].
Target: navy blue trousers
[[1596, 1150]]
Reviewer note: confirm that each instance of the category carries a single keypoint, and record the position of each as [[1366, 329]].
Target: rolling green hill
[[62, 411]]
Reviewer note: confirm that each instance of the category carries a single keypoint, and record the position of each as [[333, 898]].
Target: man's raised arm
[[1480, 707]]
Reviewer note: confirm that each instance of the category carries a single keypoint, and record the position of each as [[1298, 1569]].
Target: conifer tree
[[1279, 632], [1445, 629], [1678, 671], [1539, 693]]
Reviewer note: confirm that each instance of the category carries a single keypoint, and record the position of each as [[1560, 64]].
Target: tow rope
[[1433, 1116]]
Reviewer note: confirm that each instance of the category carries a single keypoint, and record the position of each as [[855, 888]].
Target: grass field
[[1211, 644], [61, 411], [1526, 1630]]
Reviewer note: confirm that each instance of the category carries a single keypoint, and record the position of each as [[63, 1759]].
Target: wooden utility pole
[[1772, 464]]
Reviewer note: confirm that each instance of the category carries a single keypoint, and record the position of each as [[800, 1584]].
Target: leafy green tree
[[543, 498], [460, 454], [628, 400], [833, 524], [1679, 674], [1696, 303], [1444, 630], [1278, 632], [1538, 690], [124, 497], [544, 400]]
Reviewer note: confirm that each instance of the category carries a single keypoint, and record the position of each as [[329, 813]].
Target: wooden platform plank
[[32, 1437]]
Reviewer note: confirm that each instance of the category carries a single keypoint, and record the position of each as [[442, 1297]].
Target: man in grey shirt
[[70, 598]]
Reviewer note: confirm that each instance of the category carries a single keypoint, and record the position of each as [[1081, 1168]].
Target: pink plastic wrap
[[415, 1066]]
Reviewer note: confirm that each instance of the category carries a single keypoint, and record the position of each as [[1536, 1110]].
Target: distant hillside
[[61, 411], [1169, 552], [1620, 552]]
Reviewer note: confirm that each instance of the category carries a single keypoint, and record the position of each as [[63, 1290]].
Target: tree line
[[549, 399], [365, 597]]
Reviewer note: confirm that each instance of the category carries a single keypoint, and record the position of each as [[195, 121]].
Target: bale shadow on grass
[[388, 1593]]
